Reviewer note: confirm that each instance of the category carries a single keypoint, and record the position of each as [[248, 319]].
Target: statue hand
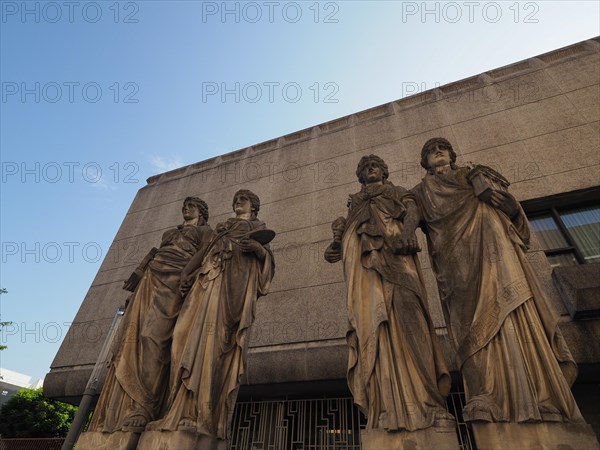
[[333, 253], [131, 283], [185, 285], [406, 245], [505, 202], [250, 245], [338, 227]]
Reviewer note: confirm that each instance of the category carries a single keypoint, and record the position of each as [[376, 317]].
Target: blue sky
[[98, 96]]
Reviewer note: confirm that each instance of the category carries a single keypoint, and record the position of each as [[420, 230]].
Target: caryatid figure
[[135, 386], [514, 361], [396, 372], [211, 337]]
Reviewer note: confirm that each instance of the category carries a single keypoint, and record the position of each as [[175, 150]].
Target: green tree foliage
[[29, 414]]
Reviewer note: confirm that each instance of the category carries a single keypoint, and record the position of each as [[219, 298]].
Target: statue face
[[372, 172], [190, 211], [438, 156], [242, 206]]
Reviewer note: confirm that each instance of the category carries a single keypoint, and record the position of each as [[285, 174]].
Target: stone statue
[[396, 372], [211, 336], [514, 361], [133, 392]]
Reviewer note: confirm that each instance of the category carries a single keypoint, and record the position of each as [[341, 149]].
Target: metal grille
[[31, 443], [323, 424], [456, 403]]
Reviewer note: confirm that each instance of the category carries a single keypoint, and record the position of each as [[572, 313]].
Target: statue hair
[[200, 204], [363, 162], [430, 145], [254, 200]]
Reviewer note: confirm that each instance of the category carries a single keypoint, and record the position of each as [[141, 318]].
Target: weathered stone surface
[[545, 116], [580, 289], [308, 314], [576, 73], [489, 131], [65, 385], [548, 150], [321, 360], [119, 440], [582, 337], [586, 101], [439, 438], [539, 436], [179, 440]]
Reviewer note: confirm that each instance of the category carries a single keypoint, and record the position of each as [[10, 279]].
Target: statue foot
[[186, 425], [135, 422], [153, 426], [550, 413], [482, 408], [444, 419]]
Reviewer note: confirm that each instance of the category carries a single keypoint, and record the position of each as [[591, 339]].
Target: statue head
[[366, 160], [433, 144], [252, 197], [198, 203]]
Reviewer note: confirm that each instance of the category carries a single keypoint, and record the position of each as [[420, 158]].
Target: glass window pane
[[547, 232], [564, 259], [584, 226]]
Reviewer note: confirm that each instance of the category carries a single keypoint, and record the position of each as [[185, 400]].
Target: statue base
[[119, 440], [179, 440], [542, 436], [440, 438]]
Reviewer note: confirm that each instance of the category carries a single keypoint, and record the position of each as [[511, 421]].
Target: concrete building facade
[[536, 121]]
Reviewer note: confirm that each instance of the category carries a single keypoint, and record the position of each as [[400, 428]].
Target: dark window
[[567, 226]]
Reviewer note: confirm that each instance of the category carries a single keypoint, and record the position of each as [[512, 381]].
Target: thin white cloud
[[103, 184], [161, 164]]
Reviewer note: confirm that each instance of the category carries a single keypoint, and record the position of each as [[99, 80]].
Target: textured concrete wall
[[536, 121]]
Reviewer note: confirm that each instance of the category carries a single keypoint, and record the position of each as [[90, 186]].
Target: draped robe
[[210, 340], [135, 381], [395, 363], [515, 363]]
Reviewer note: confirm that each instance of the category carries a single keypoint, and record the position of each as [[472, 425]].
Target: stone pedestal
[[119, 440], [538, 436], [179, 440], [439, 438]]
